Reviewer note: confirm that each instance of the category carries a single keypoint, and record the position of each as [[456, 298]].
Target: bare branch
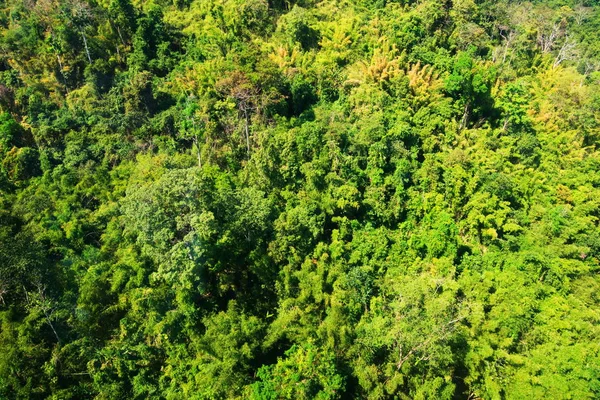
[[566, 52]]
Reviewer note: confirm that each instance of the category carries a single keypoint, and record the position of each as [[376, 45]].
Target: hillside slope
[[220, 199]]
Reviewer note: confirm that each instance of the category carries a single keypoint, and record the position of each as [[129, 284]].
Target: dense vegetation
[[316, 199]]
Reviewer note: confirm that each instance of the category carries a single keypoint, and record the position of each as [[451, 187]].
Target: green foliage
[[303, 374], [231, 199]]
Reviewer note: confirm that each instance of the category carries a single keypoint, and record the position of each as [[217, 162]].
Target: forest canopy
[[267, 199]]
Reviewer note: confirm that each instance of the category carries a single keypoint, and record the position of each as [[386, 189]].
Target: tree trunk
[[465, 118], [247, 131], [62, 73], [120, 36], [87, 50], [197, 144]]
